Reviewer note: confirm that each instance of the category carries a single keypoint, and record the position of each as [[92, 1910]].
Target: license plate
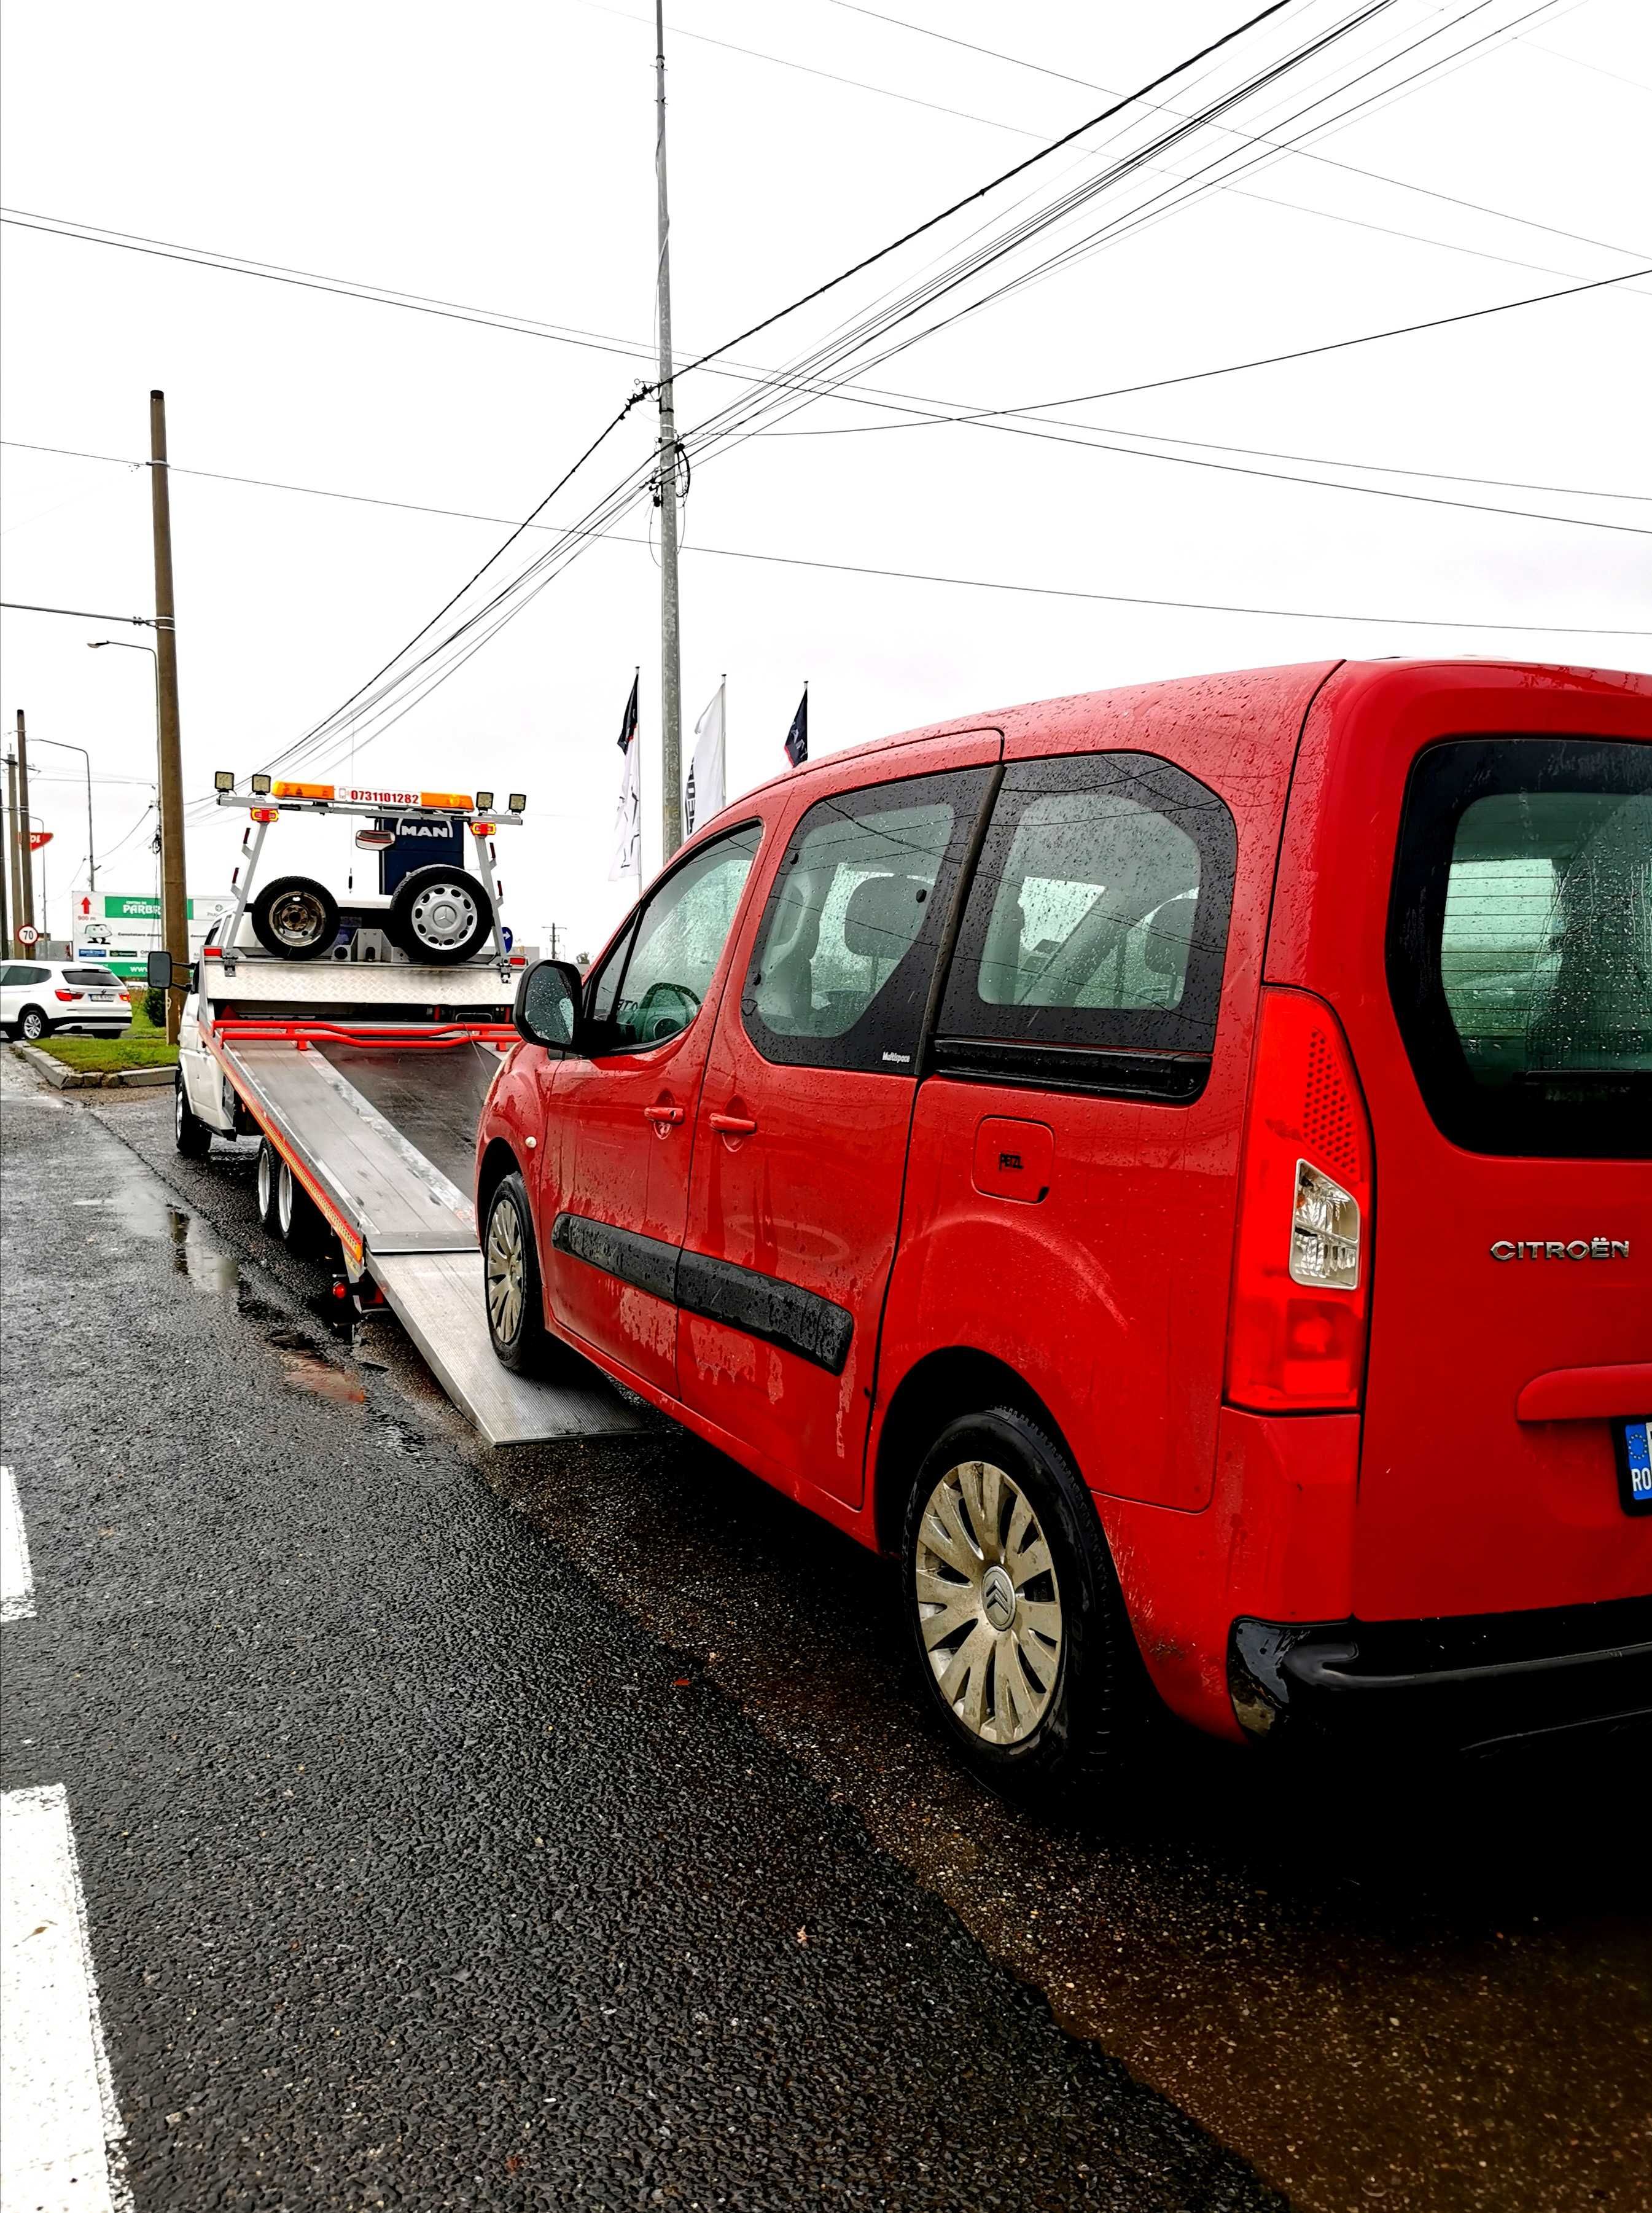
[[105, 995], [1633, 1440]]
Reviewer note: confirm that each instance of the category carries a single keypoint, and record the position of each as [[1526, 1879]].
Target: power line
[[1099, 444], [1233, 368], [991, 185], [1327, 160], [80, 614]]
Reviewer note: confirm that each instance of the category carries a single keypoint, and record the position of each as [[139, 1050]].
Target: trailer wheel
[[191, 1134], [510, 1282], [441, 915], [296, 919], [265, 1179], [297, 1217]]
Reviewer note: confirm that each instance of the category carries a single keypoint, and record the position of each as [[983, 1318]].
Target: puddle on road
[[196, 1252], [306, 1371]]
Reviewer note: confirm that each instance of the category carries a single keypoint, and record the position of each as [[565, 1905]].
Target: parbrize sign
[[120, 906]]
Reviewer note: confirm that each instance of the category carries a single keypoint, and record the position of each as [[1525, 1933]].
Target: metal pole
[[671, 706], [12, 848], [62, 746], [24, 823], [8, 859], [174, 911]]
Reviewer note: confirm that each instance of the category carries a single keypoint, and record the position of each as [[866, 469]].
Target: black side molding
[[1103, 1071], [759, 1306], [781, 1313]]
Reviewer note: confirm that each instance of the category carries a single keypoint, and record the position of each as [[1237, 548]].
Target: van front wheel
[[1022, 1638]]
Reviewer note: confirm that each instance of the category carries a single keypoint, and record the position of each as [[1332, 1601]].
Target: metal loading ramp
[[437, 1298], [387, 1137]]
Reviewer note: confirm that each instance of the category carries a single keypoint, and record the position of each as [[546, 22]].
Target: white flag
[[703, 793], [628, 818]]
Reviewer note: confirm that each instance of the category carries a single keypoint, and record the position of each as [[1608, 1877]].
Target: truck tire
[[190, 1134], [296, 919], [510, 1282], [1023, 1644], [440, 915], [298, 1220], [264, 1176]]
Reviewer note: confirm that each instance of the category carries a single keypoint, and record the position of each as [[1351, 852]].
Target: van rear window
[[1519, 944]]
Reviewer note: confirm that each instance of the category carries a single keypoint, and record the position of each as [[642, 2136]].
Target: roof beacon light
[[282, 790], [224, 780]]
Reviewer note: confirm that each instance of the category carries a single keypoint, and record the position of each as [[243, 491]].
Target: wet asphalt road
[[395, 1764]]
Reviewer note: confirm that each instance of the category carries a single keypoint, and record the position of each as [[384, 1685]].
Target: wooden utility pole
[[671, 697], [175, 910]]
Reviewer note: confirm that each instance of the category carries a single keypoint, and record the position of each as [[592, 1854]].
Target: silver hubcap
[[297, 918], [506, 1273], [265, 1181], [988, 1603], [32, 1026], [284, 1199], [444, 915], [177, 1109]]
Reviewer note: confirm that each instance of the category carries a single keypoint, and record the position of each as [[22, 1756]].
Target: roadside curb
[[90, 1079]]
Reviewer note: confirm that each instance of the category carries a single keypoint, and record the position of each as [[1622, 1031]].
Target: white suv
[[39, 997]]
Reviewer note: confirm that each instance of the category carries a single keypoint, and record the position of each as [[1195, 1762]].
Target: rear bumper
[[1469, 1681]]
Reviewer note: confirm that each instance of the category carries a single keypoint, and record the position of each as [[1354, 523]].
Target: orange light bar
[[265, 813], [301, 790], [462, 799]]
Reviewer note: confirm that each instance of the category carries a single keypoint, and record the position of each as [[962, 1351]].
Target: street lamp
[[91, 848], [127, 645]]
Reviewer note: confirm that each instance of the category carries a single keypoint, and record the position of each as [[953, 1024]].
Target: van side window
[[676, 945], [844, 962], [1097, 920]]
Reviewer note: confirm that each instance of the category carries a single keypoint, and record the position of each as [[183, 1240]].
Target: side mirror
[[158, 970], [547, 1008]]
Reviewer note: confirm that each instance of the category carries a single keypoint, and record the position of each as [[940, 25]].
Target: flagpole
[[671, 709]]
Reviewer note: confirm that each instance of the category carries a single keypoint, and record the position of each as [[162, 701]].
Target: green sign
[[122, 906]]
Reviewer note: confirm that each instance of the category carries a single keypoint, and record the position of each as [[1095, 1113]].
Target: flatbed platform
[[383, 1137]]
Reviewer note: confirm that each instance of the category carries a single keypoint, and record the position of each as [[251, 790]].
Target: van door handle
[[661, 1116], [733, 1125]]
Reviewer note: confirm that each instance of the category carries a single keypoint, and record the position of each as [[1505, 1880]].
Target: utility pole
[[21, 825], [670, 701], [7, 862], [174, 912]]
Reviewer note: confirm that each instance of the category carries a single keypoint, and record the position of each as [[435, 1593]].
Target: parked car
[[1171, 1165], [38, 997]]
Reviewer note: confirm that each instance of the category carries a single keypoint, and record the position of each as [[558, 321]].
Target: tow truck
[[356, 1038]]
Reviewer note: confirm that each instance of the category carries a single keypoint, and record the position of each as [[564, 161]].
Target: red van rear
[[1174, 1165]]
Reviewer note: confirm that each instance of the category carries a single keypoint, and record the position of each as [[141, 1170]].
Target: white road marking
[[16, 1581], [60, 2147]]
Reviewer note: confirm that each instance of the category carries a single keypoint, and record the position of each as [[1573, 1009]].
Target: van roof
[[1263, 697]]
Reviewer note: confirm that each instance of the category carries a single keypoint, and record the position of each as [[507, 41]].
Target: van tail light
[[1302, 1272]]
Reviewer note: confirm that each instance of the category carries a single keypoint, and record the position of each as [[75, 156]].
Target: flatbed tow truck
[[356, 1038]]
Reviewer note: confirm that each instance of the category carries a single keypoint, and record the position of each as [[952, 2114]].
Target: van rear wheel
[[1022, 1643]]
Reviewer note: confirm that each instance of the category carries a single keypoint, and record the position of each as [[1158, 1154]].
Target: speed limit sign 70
[[28, 934]]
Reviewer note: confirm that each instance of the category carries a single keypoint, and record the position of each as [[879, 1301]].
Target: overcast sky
[[501, 157]]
